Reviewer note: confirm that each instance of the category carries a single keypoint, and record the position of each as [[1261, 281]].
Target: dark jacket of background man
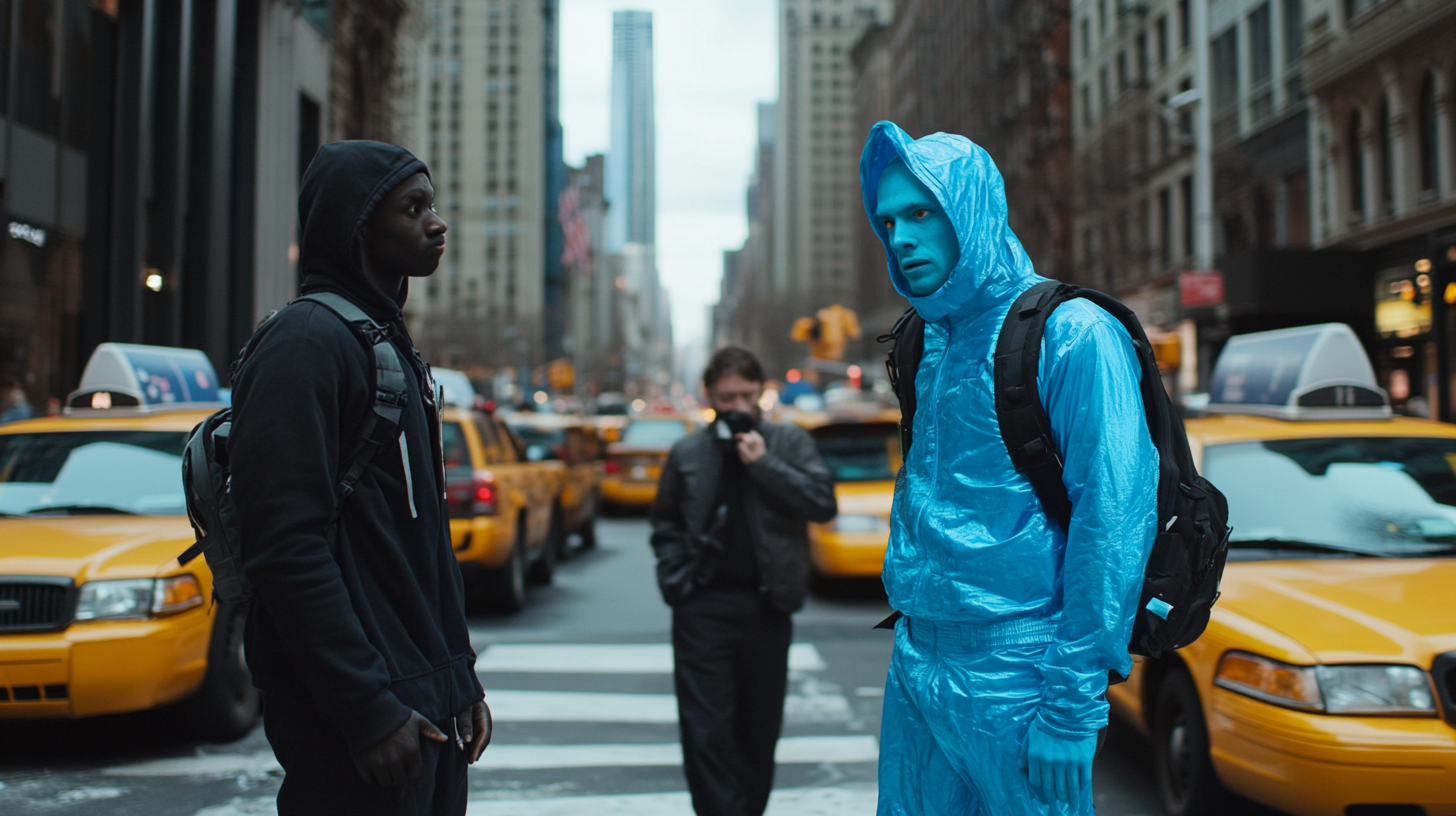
[[789, 486], [353, 632]]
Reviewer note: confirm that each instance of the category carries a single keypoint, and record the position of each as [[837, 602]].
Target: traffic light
[[827, 332]]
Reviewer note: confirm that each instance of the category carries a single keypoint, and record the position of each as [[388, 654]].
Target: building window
[[1122, 78], [1387, 160], [1086, 38], [1165, 226], [1101, 18], [1429, 149], [34, 105], [1357, 167], [1142, 58], [1226, 70], [1261, 55], [1162, 33], [1186, 193], [1087, 105], [1185, 25], [1293, 31]]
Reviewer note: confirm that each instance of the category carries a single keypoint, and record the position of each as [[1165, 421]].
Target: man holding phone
[[728, 527]]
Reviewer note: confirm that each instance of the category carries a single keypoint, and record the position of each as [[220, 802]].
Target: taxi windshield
[[654, 432], [92, 472], [1371, 496], [860, 452]]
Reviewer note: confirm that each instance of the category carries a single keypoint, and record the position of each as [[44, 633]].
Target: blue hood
[[993, 265]]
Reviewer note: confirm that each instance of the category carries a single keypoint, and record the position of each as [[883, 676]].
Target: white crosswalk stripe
[[815, 706]]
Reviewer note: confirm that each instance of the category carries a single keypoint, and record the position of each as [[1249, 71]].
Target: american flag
[[573, 226]]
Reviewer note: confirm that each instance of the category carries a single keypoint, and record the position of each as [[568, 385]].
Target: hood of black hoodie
[[344, 184]]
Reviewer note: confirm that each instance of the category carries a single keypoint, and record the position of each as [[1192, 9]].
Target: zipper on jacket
[[409, 481]]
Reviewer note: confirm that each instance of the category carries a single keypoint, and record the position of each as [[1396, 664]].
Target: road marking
[[791, 751], [509, 705], [784, 802], [846, 801], [608, 658], [255, 765]]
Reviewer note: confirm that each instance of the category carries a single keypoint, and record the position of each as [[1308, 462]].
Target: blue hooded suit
[[1008, 621]]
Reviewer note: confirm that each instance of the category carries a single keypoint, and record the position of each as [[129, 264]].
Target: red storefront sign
[[1200, 289]]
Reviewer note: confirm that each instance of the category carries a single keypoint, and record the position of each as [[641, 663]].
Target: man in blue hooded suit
[[997, 685]]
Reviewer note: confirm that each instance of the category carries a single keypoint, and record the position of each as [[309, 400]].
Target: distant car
[[864, 456], [572, 440], [1325, 684], [96, 615], [458, 389], [505, 517], [634, 462]]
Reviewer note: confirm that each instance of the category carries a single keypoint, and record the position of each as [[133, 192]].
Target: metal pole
[[1203, 141]]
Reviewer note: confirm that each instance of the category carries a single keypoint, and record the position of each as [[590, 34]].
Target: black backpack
[[207, 477], [1181, 581]]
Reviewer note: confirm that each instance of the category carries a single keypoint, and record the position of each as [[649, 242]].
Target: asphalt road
[[581, 686]]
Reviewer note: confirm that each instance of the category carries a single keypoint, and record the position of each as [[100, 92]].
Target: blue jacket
[[969, 541]]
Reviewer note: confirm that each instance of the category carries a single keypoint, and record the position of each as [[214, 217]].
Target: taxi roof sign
[[144, 379], [1307, 373]]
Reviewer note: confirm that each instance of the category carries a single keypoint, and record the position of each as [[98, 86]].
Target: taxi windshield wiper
[[1296, 544], [78, 510]]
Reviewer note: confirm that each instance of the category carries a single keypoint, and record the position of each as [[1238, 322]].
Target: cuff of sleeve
[[367, 725], [1076, 708]]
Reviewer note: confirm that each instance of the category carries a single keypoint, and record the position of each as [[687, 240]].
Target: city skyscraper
[[632, 159], [480, 100], [816, 173]]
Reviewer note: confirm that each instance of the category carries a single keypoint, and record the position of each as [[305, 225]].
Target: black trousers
[[732, 660], [319, 777]]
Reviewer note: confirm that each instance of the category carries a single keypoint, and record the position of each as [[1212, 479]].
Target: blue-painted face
[[920, 234]]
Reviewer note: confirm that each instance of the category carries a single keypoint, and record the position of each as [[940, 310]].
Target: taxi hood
[[1357, 610], [88, 548]]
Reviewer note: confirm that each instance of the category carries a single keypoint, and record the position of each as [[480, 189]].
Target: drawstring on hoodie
[[409, 481]]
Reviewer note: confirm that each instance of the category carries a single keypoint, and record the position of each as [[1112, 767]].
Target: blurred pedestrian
[[358, 641], [996, 690], [14, 404], [728, 527]]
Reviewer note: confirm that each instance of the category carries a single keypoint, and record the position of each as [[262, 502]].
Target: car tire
[[544, 567], [1186, 778], [226, 707], [503, 589]]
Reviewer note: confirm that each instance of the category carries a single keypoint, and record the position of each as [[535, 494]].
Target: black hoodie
[[371, 625]]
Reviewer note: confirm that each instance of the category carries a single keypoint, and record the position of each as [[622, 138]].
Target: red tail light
[[483, 486], [612, 466], [476, 497]]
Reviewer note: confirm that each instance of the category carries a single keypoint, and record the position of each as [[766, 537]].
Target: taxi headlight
[[856, 523], [176, 594], [135, 598], [1349, 689], [1270, 680], [113, 600], [1376, 690]]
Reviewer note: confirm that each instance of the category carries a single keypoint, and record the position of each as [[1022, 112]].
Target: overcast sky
[[714, 61]]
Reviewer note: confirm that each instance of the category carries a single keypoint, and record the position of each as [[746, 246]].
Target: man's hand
[[751, 446], [1059, 769], [395, 761], [472, 728]]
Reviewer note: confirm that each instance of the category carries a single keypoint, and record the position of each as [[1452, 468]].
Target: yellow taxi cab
[[863, 453], [634, 461], [573, 441], [505, 517], [96, 615], [1325, 684]]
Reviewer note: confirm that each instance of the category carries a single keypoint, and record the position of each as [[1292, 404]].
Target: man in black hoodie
[[358, 641]]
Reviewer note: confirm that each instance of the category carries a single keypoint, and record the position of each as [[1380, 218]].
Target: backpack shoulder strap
[[381, 425], [1025, 427], [903, 362]]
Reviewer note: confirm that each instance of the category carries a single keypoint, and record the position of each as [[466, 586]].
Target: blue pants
[[958, 702]]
